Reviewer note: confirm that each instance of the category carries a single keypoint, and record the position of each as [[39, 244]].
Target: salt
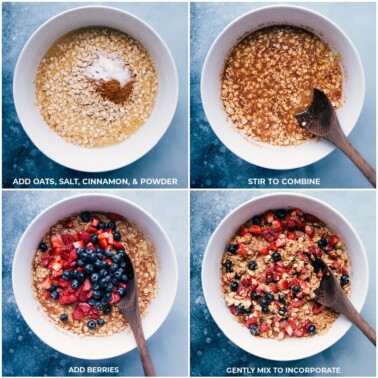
[[109, 69]]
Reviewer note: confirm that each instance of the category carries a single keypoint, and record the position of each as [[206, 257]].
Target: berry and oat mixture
[[80, 272], [96, 86], [270, 75], [268, 281]]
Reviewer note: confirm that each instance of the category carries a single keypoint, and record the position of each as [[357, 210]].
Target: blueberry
[[311, 330], [55, 295], [227, 263], [99, 250], [122, 254], [91, 324], [118, 274], [115, 281], [269, 297], [344, 280], [67, 275], [281, 298], [322, 243], [254, 330], [108, 296], [92, 257], [295, 289], [123, 265], [103, 282], [43, 246], [97, 265], [95, 277], [111, 225], [91, 301], [125, 278], [101, 225], [234, 285], [237, 277], [282, 311], [121, 291], [81, 277], [239, 309], [102, 273], [96, 294], [94, 239], [265, 310], [113, 267], [88, 268], [229, 269], [109, 287], [256, 220], [263, 302], [117, 236], [74, 273], [75, 284], [116, 259], [80, 251], [100, 322], [281, 213], [255, 296], [80, 263], [104, 264], [248, 310], [252, 265], [232, 248], [109, 253], [96, 286], [63, 318], [85, 216], [276, 256], [107, 310], [98, 304], [52, 288]]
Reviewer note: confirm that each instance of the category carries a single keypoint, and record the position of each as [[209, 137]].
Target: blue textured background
[[213, 165], [24, 354], [212, 352], [169, 158]]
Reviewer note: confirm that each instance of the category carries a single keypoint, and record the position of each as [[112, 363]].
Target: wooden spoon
[[320, 119], [129, 308], [330, 294]]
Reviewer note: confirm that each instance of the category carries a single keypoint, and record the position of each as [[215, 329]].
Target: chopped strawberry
[[344, 271], [47, 294], [117, 245], [290, 222], [298, 332], [256, 230], [264, 251], [103, 235], [283, 284], [84, 307], [280, 336], [277, 225], [110, 239], [280, 243], [274, 288], [56, 266], [333, 240], [269, 217], [84, 236], [83, 296], [95, 220], [91, 229], [78, 244], [249, 321], [77, 314], [56, 240], [317, 308], [309, 231], [298, 212], [241, 250], [47, 282], [114, 216], [291, 236], [68, 224], [311, 218], [57, 273], [87, 285], [115, 298], [45, 259], [272, 246], [103, 243], [68, 240], [289, 330], [264, 327], [243, 232], [298, 303]]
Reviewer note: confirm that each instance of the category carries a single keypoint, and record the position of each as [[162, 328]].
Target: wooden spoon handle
[[341, 141], [136, 326]]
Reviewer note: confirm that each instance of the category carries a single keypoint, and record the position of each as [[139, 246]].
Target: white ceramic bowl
[[263, 154], [93, 347], [290, 348], [98, 159]]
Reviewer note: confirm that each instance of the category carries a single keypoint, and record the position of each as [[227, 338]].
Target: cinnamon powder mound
[[111, 90]]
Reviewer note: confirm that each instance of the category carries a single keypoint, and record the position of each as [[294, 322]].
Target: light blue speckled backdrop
[[23, 352], [212, 352], [21, 158], [213, 165]]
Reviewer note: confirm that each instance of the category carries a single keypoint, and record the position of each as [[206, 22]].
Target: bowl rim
[[208, 111], [16, 287], [206, 283], [106, 167]]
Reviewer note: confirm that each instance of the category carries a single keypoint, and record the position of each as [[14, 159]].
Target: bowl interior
[[93, 347], [94, 159], [288, 349], [263, 154]]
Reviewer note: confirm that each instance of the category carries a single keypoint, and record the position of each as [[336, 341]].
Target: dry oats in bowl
[[261, 70], [258, 286], [65, 282], [94, 82]]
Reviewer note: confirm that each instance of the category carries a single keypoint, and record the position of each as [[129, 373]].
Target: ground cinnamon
[[111, 90]]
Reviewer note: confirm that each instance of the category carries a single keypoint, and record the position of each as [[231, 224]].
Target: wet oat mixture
[[79, 272], [270, 75], [96, 86], [267, 280]]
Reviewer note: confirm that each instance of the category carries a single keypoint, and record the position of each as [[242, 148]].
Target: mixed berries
[[268, 279], [89, 268]]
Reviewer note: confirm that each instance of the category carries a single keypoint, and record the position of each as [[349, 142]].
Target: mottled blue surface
[[22, 159], [212, 352], [213, 165], [24, 354]]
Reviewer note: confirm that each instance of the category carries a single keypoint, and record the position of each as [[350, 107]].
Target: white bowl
[[93, 347], [264, 154], [98, 159], [290, 348]]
